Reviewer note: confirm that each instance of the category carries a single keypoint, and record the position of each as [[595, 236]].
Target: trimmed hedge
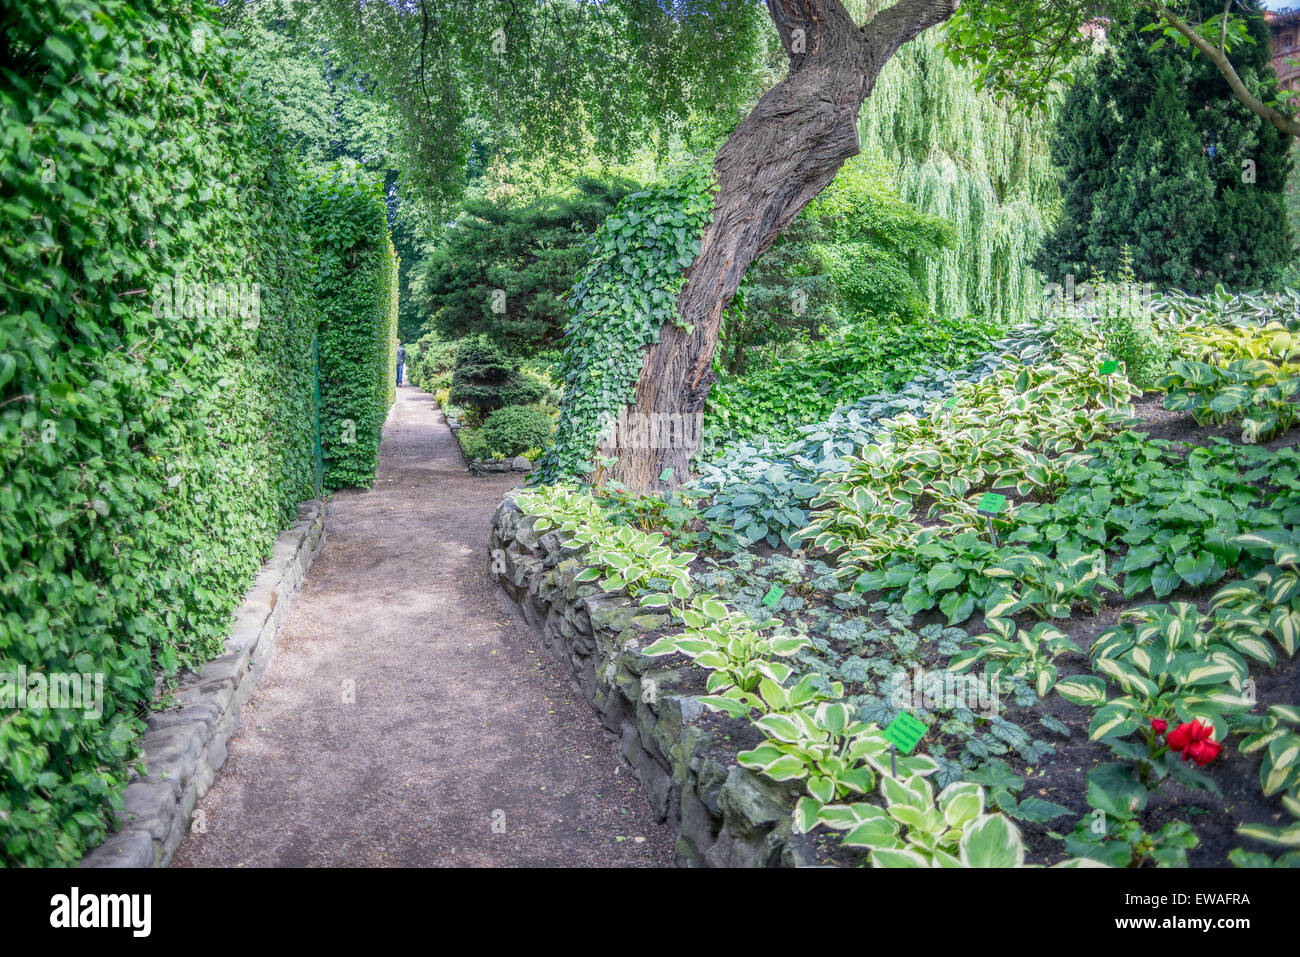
[[356, 288], [154, 441]]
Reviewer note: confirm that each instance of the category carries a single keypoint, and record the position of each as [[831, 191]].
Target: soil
[[459, 718]]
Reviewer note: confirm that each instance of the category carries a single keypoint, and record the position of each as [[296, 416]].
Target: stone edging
[[723, 815], [184, 747]]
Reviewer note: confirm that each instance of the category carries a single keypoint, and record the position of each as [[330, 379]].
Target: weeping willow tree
[[958, 154]]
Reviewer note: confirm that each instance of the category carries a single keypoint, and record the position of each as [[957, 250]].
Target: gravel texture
[[410, 717]]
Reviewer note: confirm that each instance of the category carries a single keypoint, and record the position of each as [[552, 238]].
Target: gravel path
[[459, 719]]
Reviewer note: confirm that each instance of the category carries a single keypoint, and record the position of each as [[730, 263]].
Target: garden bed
[[1135, 571]]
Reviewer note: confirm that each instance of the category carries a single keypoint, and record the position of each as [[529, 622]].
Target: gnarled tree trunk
[[783, 154]]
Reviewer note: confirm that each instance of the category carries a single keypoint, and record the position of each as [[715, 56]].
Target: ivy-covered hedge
[[356, 290], [151, 453]]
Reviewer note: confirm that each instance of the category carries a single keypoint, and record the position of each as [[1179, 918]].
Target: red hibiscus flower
[[1158, 725]]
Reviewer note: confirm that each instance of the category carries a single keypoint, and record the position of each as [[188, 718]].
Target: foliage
[[617, 556], [485, 377], [809, 382], [514, 429], [622, 299], [429, 363], [552, 79], [983, 168], [1250, 389], [1160, 174], [355, 287], [150, 457], [950, 830], [530, 252], [760, 487], [734, 649], [330, 113], [1166, 666]]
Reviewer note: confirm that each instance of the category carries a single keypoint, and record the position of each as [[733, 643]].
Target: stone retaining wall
[[185, 746], [724, 815]]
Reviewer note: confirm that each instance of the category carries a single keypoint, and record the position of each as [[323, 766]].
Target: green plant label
[[991, 503], [905, 731], [666, 475], [1108, 368], [773, 596], [951, 403]]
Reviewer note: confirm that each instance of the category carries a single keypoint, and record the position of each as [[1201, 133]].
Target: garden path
[[458, 717]]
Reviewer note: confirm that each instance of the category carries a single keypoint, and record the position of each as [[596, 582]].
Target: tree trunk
[[783, 154]]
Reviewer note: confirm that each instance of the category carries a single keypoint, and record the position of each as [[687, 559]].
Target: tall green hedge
[[356, 291], [153, 442]]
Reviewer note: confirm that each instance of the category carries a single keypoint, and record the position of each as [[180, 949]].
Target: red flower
[[1202, 752], [1158, 725], [1194, 741]]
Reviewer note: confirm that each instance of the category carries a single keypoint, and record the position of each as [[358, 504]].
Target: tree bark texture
[[783, 154]]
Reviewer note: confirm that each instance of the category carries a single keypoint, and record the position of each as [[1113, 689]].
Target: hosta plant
[[1267, 605], [1030, 654], [1250, 389], [918, 829], [1275, 735], [618, 556], [1167, 666], [737, 651], [836, 756]]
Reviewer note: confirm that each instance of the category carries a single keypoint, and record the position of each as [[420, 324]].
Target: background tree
[[530, 251], [1188, 179]]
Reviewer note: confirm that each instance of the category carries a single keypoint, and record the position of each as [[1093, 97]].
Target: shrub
[[150, 454], [355, 284], [431, 362], [486, 378], [517, 428]]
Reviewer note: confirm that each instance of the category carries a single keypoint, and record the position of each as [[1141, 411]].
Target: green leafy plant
[[1250, 389], [512, 430], [619, 302], [1030, 654], [916, 828], [355, 287], [737, 652], [1167, 666], [485, 378]]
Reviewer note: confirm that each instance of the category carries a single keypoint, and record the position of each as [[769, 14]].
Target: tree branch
[[1220, 59], [904, 21]]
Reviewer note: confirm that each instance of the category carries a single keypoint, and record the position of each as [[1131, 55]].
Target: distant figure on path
[[401, 361]]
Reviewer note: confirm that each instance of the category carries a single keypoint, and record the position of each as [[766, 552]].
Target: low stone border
[[185, 746], [724, 815]]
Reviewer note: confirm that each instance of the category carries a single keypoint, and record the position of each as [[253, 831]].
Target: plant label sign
[[773, 596], [1108, 368], [905, 731], [951, 403], [666, 475], [991, 503]]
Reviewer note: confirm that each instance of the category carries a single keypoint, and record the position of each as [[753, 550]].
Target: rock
[[127, 849], [521, 464], [751, 802]]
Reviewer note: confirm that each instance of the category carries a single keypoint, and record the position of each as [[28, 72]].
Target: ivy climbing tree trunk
[[783, 154]]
